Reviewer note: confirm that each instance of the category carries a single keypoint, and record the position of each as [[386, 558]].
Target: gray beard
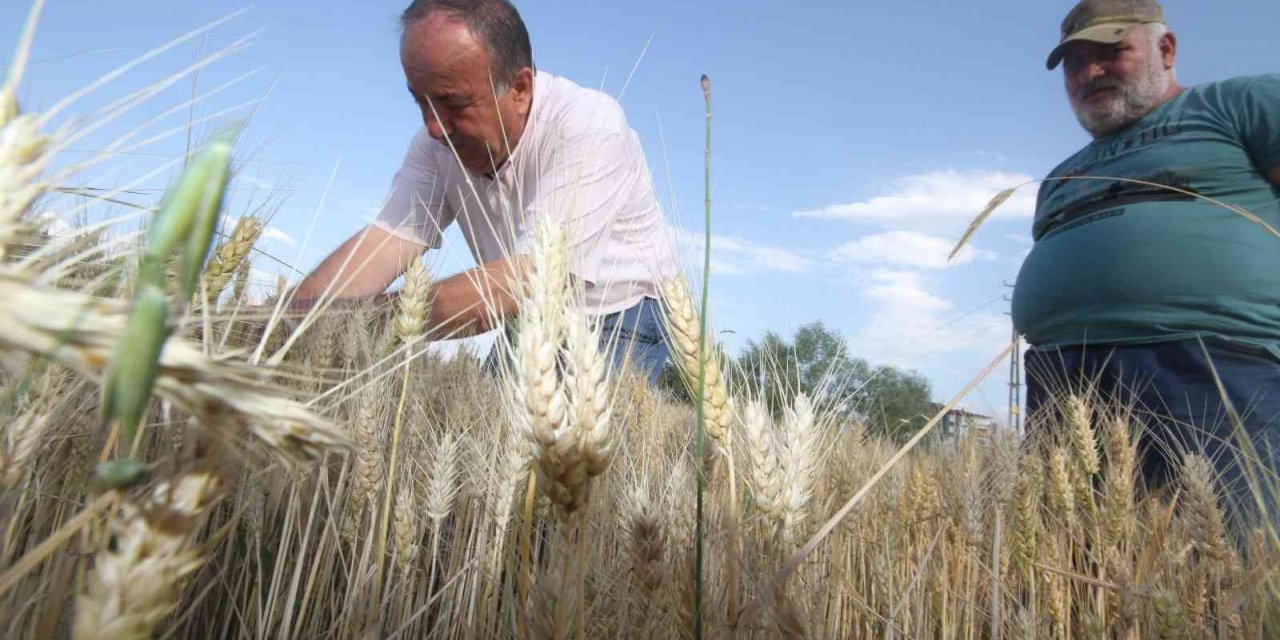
[[1130, 104]]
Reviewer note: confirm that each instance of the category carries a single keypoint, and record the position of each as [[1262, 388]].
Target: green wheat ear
[[213, 171], [127, 388], [185, 225], [183, 230]]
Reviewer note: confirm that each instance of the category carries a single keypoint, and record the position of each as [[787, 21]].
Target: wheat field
[[182, 459]]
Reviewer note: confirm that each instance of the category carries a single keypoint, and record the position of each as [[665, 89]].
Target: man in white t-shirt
[[502, 146]]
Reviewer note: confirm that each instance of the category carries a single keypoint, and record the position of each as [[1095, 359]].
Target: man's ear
[[1168, 49], [522, 90]]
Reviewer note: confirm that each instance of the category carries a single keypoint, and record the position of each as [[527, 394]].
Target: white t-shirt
[[578, 160]]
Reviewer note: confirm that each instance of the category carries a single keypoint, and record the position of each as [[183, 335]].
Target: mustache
[[1101, 84]]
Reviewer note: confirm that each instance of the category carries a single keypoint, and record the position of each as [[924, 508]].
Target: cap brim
[[1105, 33]]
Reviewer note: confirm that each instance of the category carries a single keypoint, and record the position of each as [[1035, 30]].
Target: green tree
[[816, 361]]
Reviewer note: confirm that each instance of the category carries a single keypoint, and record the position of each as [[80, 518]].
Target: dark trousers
[[1178, 407]]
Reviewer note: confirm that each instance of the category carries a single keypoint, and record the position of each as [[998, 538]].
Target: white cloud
[[909, 325], [904, 249], [57, 227], [937, 196], [252, 182], [739, 256], [272, 233]]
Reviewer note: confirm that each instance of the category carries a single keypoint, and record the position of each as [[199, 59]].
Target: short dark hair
[[496, 23]]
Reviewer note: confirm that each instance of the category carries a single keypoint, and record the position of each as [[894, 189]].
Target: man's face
[[1112, 86], [447, 71]]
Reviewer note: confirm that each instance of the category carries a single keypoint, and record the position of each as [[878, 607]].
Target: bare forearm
[[474, 301], [1274, 174], [365, 265]]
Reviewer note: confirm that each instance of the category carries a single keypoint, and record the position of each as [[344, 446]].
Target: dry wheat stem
[[1004, 195], [791, 565], [81, 332]]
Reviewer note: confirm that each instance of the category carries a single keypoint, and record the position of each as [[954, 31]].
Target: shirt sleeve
[[1259, 121], [584, 187], [416, 209]]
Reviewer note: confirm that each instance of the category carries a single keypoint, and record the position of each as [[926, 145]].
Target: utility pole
[[1015, 371]]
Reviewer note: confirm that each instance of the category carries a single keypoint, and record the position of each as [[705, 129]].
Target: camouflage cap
[[1105, 21]]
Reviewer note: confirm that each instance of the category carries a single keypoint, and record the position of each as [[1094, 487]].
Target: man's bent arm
[[365, 265], [472, 302], [1274, 174]]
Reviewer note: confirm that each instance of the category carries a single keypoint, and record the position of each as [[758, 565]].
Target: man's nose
[[1092, 71], [437, 127]]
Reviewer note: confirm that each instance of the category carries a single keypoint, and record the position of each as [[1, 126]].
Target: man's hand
[[464, 304], [365, 265]]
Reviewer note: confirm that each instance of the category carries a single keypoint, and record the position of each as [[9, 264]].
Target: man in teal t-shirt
[[1138, 287]]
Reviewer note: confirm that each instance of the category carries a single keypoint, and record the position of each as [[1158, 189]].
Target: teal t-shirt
[[1119, 262]]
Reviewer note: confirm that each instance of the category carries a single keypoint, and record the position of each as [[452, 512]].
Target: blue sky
[[853, 141]]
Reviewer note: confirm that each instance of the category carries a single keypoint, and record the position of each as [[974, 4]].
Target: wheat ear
[[798, 461], [537, 386], [648, 535], [228, 256], [23, 158], [762, 459], [135, 583], [1061, 492], [367, 432], [1084, 441], [686, 330], [587, 383], [415, 304], [1201, 512], [1119, 482], [404, 522], [442, 488], [25, 435], [1027, 521]]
